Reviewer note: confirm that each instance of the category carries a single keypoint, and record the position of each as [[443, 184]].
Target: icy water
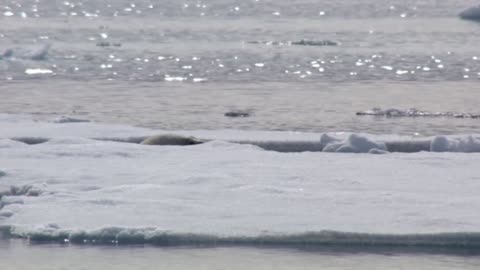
[[13, 256], [299, 69], [172, 65]]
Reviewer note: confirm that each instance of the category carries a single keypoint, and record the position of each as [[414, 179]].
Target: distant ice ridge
[[81, 130], [412, 112], [153, 236], [364, 143]]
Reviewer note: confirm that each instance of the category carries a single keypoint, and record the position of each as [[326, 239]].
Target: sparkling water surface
[[190, 62]]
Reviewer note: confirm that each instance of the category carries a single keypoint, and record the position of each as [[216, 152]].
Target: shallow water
[[17, 255], [308, 107]]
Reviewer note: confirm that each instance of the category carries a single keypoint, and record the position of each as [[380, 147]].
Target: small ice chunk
[[36, 71], [377, 151], [197, 80], [354, 144], [363, 145], [332, 147], [326, 139]]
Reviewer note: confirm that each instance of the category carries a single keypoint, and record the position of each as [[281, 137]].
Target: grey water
[[181, 65], [17, 255]]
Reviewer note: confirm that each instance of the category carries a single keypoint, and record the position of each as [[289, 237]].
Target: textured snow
[[74, 183]]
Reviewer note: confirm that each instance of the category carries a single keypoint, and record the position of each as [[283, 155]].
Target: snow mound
[[468, 144], [354, 144]]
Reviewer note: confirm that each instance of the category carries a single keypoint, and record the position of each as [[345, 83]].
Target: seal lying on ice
[[171, 139]]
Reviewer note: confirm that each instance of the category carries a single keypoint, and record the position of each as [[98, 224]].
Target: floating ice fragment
[[34, 71], [174, 79], [197, 80]]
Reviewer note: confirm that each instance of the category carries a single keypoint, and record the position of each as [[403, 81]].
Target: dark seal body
[[171, 139]]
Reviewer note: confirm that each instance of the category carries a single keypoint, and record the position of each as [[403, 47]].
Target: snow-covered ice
[[79, 187]]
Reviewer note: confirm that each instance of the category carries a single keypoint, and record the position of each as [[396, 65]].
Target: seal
[[171, 139]]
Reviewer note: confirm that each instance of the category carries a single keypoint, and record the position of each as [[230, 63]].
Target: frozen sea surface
[[74, 187]]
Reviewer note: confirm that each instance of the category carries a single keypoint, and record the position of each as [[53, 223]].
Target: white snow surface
[[73, 182]]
